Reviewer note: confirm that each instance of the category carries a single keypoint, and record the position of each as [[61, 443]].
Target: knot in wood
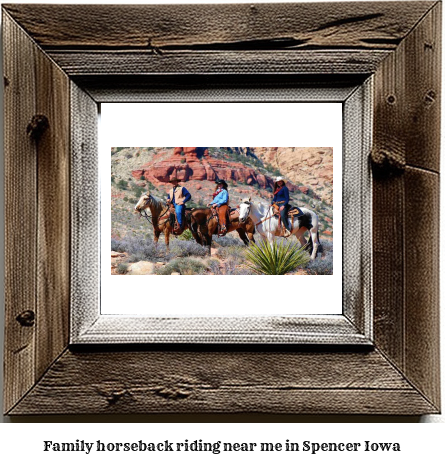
[[387, 162], [26, 318], [173, 393], [37, 126]]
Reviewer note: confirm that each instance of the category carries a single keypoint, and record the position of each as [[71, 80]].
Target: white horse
[[267, 224]]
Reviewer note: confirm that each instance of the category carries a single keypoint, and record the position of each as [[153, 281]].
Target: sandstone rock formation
[[195, 163]]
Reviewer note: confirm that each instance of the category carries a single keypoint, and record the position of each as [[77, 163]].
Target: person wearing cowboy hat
[[281, 198], [178, 196], [221, 203]]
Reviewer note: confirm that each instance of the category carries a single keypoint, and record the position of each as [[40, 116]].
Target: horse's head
[[144, 202], [244, 210]]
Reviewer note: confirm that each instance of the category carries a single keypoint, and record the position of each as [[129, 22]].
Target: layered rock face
[[195, 163], [310, 166]]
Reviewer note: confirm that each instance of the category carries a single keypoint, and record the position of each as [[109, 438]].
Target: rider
[[221, 202], [178, 196], [281, 198]]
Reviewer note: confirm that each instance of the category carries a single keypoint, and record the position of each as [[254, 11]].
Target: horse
[[267, 224], [205, 223], [160, 217]]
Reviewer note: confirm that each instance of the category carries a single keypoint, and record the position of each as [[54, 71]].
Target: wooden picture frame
[[56, 72]]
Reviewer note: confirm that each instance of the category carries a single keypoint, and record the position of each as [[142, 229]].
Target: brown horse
[[205, 224], [161, 217]]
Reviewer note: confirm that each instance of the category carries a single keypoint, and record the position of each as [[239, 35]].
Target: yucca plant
[[276, 258]]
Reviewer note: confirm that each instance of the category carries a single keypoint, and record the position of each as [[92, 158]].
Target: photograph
[[222, 210]]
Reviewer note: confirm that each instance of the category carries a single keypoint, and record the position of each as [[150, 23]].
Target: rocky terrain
[[249, 172]]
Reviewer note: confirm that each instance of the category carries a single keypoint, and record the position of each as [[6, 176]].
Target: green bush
[[186, 235], [122, 268], [276, 259], [122, 184]]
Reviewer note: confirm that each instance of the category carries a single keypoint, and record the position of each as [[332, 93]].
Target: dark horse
[[204, 223]]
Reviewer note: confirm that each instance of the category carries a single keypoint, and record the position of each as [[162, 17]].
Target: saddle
[[177, 230], [293, 212], [228, 222]]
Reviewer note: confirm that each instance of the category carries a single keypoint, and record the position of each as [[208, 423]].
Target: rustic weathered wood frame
[[66, 60]]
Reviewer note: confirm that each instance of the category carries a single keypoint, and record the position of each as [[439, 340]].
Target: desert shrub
[[140, 248], [187, 248], [122, 184], [235, 253], [322, 264], [138, 191], [116, 245], [185, 266], [277, 258], [122, 268], [227, 241], [230, 266], [213, 266]]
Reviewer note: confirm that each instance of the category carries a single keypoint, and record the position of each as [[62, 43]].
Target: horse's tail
[[310, 244]]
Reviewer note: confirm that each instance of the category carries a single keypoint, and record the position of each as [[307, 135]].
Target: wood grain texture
[[20, 212], [423, 91], [406, 132], [422, 281], [388, 202], [53, 228], [122, 63], [112, 329], [218, 87], [261, 26], [223, 382], [85, 220]]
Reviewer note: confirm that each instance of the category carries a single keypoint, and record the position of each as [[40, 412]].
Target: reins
[[144, 214]]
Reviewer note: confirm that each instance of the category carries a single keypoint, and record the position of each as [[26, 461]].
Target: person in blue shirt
[[281, 198], [178, 196], [221, 203]]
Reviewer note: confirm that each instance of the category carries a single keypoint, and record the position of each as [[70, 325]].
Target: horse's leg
[[300, 236], [242, 235], [270, 237], [314, 237], [167, 238], [194, 230], [156, 238]]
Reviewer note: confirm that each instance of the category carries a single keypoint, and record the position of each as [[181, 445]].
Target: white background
[[22, 442], [214, 125]]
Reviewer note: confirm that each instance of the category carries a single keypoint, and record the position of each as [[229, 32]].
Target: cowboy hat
[[279, 178], [174, 179], [221, 181]]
